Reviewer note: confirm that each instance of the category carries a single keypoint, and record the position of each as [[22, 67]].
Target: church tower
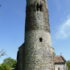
[[35, 53]]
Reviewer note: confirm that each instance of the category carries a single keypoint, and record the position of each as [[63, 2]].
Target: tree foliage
[[68, 65], [8, 64], [4, 67]]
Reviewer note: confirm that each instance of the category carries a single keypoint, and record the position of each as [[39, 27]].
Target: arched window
[[39, 7]]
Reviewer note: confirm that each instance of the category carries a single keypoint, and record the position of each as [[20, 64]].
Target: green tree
[[10, 62], [4, 67], [68, 64]]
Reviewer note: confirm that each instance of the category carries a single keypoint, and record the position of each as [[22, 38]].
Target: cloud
[[64, 30]]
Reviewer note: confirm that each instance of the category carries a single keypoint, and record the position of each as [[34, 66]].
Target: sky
[[12, 26]]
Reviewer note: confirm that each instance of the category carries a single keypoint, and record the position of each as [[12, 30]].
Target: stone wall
[[37, 19], [36, 53], [60, 66]]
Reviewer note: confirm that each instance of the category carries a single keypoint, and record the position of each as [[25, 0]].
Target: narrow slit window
[[37, 7], [40, 7], [40, 39]]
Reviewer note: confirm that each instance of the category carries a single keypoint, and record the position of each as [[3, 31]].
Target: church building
[[60, 63]]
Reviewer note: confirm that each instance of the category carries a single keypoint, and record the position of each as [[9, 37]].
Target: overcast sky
[[12, 22]]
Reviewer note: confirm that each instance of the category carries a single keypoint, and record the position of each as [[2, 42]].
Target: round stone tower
[[36, 54]]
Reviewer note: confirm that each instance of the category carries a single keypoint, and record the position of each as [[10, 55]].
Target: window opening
[[39, 7], [40, 39]]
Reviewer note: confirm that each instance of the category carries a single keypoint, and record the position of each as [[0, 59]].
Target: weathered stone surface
[[36, 53], [37, 20]]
